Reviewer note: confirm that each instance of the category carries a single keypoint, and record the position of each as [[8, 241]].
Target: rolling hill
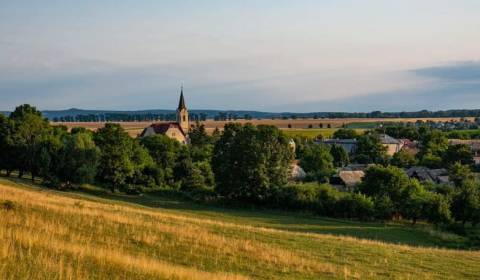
[[47, 234]]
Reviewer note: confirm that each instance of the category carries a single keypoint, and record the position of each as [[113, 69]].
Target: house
[[424, 174], [176, 130], [350, 145], [393, 145], [474, 145], [347, 179]]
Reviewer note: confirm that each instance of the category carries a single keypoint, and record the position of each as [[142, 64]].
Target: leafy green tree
[[386, 185], [81, 159], [466, 202], [198, 136], [318, 162], [116, 147], [29, 131], [459, 173], [345, 133], [403, 159], [433, 144], [7, 155], [458, 153], [437, 210], [340, 156], [370, 149], [164, 152], [415, 199], [249, 162]]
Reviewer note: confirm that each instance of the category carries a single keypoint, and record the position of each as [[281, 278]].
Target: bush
[[353, 205], [296, 197]]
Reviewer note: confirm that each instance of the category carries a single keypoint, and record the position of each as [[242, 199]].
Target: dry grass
[[50, 235]]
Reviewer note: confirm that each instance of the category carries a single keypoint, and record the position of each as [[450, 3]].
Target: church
[[176, 130]]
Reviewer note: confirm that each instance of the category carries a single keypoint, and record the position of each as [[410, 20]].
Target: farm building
[[175, 130], [424, 174], [350, 145], [393, 145], [347, 179]]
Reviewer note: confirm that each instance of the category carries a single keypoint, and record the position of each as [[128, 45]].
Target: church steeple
[[181, 103], [182, 113]]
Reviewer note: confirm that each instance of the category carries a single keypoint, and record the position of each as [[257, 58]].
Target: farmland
[[310, 127], [47, 234]]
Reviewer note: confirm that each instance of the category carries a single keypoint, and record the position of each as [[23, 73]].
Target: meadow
[[48, 234]]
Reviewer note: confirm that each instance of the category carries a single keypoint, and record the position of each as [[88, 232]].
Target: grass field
[[53, 235], [135, 128]]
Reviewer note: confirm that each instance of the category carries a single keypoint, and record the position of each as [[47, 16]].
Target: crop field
[[135, 128], [46, 234]]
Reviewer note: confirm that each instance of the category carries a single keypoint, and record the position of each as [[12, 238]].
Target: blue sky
[[258, 55]]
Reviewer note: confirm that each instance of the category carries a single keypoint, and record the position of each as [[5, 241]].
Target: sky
[[268, 55]]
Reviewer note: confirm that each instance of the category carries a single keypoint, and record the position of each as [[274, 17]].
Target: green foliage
[[370, 149], [29, 131], [433, 144], [248, 162], [164, 152], [466, 202], [458, 154], [459, 173], [317, 161], [403, 159], [345, 133], [340, 156], [386, 186], [198, 136], [116, 164]]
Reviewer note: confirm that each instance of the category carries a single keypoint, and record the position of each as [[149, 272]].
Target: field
[[135, 128], [46, 234]]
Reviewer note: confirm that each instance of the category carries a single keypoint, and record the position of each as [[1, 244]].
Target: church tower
[[182, 114]]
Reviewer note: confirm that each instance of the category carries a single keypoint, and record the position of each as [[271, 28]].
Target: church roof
[[181, 103], [162, 128]]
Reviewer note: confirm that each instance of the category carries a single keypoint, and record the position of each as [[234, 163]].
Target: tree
[[81, 159], [116, 147], [317, 162], [340, 156], [403, 159], [466, 202], [198, 135], [386, 185], [7, 148], [460, 153], [29, 130], [370, 149], [415, 199], [459, 173], [433, 143], [249, 162], [437, 210], [164, 152], [344, 133]]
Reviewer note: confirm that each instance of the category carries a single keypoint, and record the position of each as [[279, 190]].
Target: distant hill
[[211, 114]]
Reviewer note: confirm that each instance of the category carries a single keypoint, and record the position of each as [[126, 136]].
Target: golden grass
[[49, 235]]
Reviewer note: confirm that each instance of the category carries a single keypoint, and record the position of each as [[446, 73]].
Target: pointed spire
[[181, 103]]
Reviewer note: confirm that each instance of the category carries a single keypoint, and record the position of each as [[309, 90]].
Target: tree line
[[245, 164]]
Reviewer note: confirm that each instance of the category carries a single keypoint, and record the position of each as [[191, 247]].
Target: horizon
[[273, 56]]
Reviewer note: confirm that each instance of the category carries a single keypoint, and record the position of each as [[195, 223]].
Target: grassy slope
[[53, 235]]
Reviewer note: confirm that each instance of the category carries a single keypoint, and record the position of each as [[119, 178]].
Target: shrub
[[353, 205]]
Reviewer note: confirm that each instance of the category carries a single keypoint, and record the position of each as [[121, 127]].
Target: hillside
[[47, 234]]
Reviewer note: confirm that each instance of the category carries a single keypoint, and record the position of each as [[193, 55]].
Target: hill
[[52, 235], [211, 114]]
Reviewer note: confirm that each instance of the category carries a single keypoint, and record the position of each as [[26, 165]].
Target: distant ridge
[[211, 114]]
